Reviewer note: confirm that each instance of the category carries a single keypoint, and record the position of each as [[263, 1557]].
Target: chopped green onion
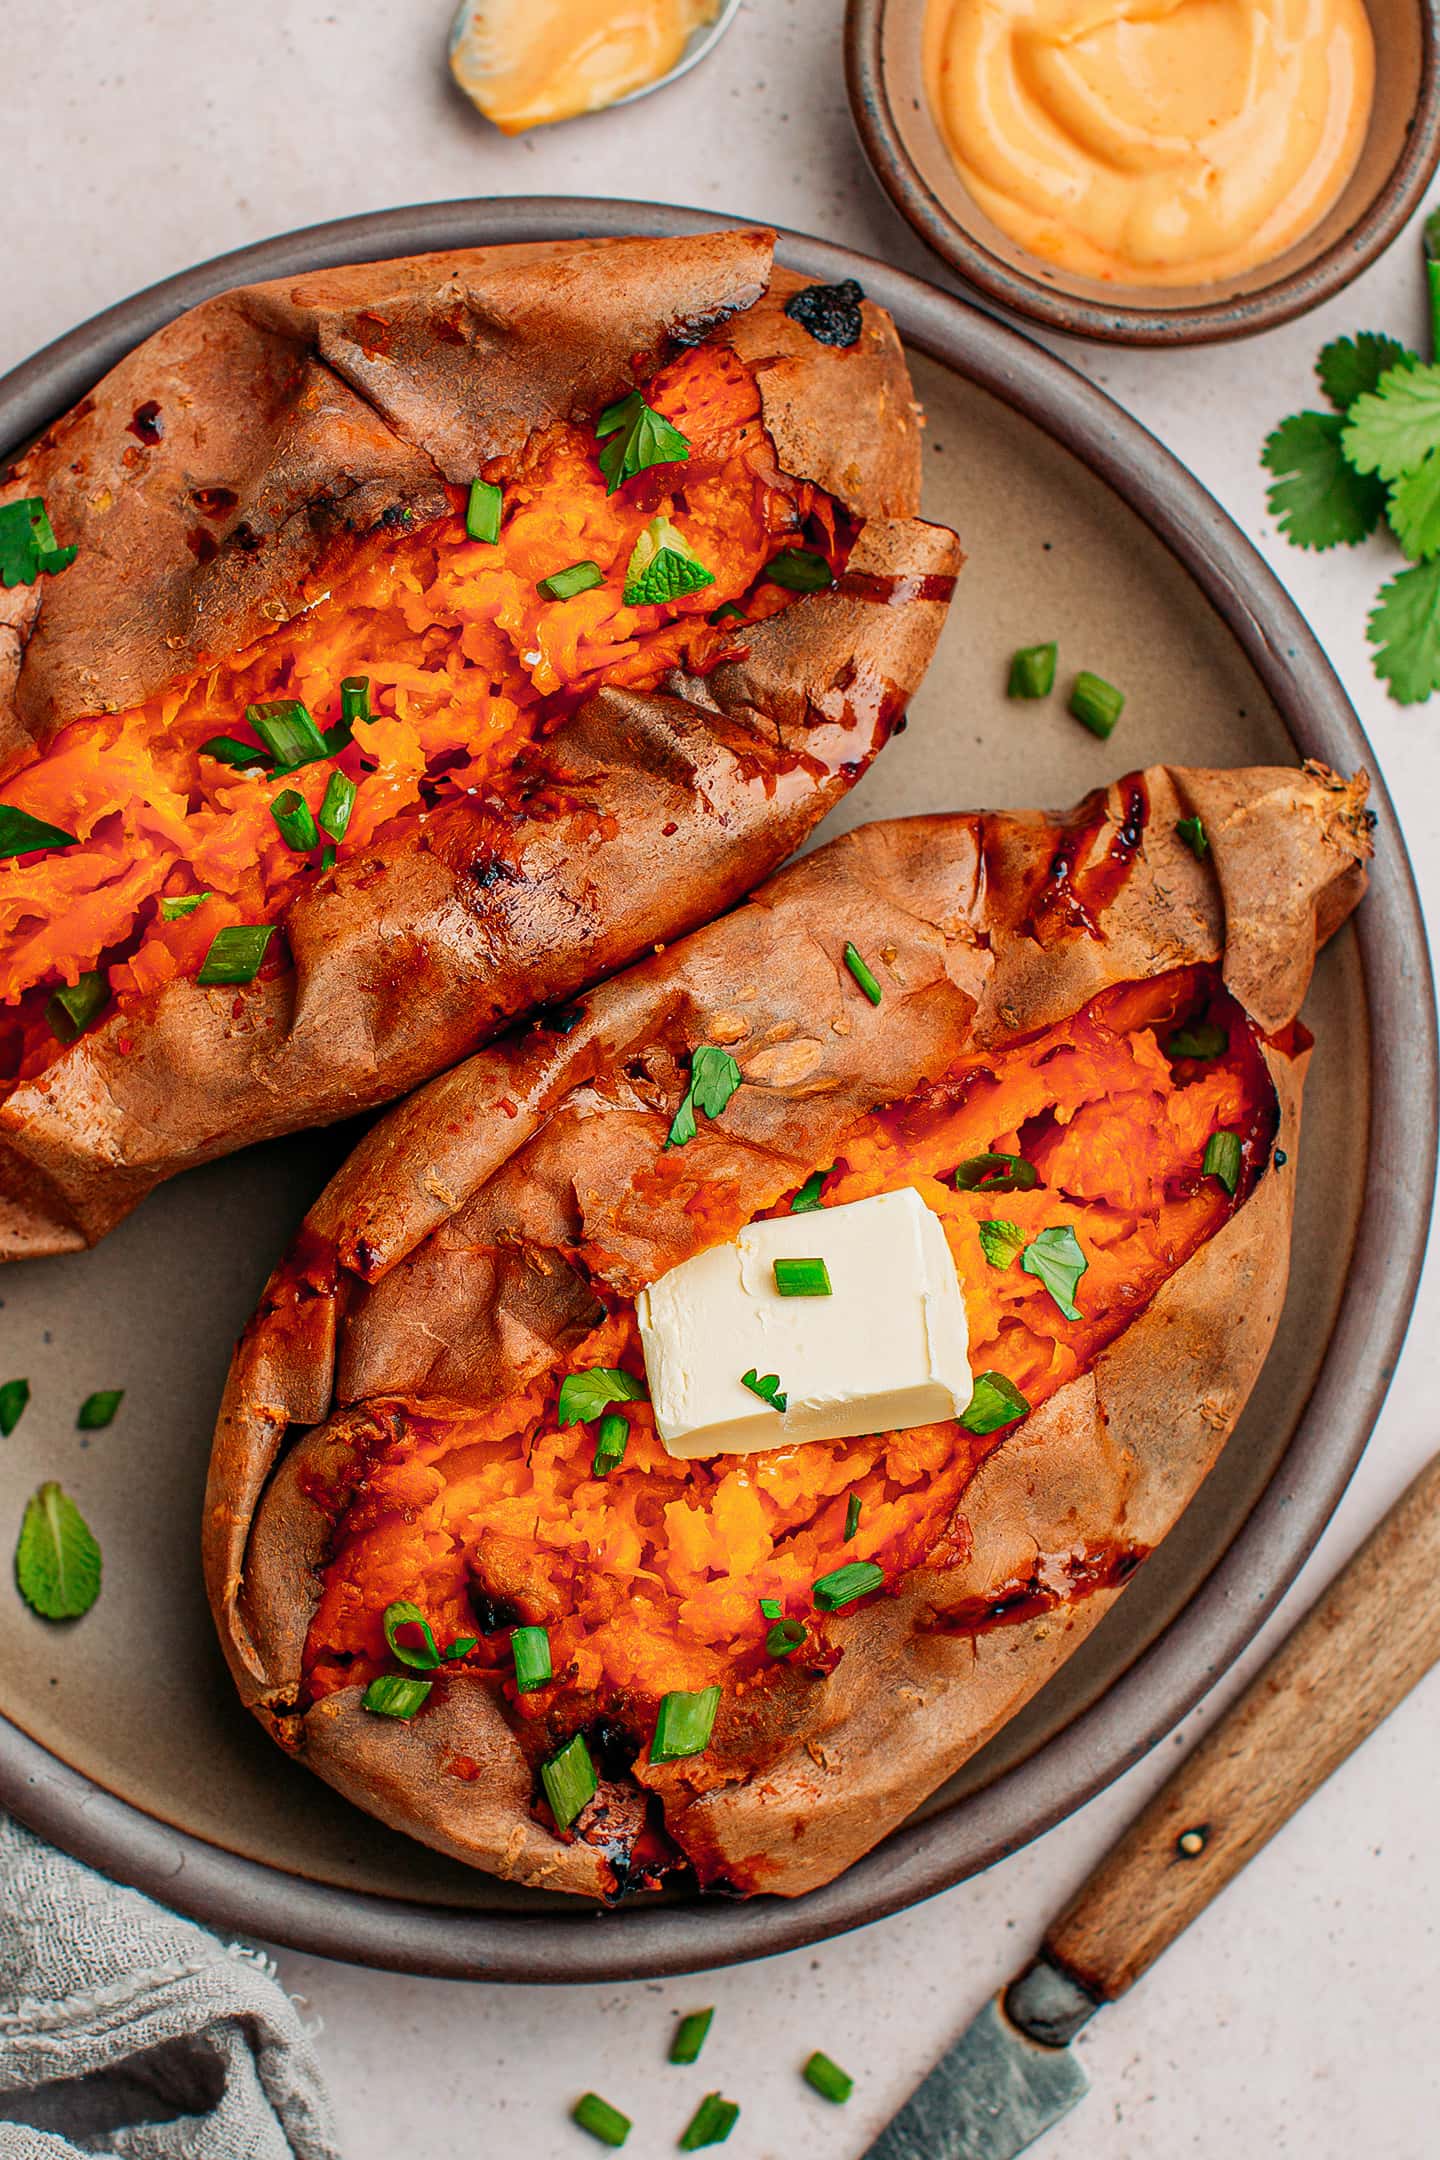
[[569, 1780], [423, 1654], [565, 584], [21, 834], [602, 2122], [1055, 1258], [684, 1725], [296, 821], [185, 904], [770, 1608], [1096, 704], [802, 1278], [393, 1695], [462, 1646], [98, 1410], [663, 567], [807, 1200], [482, 512], [863, 975], [1206, 1041], [355, 700], [587, 1395], [327, 856], [14, 1394], [530, 1648], [800, 570], [714, 1078], [767, 1389], [786, 1637], [28, 548], [1222, 1159], [610, 1443], [230, 750], [844, 1584], [852, 1516], [711, 2123], [1192, 831], [995, 1173], [338, 802], [1001, 1242], [690, 2035], [236, 953], [828, 2079], [72, 1007], [290, 735], [994, 1401], [640, 438], [1032, 671]]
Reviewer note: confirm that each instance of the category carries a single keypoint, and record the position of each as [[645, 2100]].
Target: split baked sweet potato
[[439, 636], [1085, 1046]]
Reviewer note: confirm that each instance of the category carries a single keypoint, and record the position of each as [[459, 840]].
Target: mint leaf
[[27, 543], [994, 1402], [1391, 430], [1404, 628], [421, 1653], [639, 438], [1001, 1242], [1316, 498], [1351, 367], [714, 1077], [57, 1561], [1056, 1260], [663, 567], [1414, 511], [588, 1395]]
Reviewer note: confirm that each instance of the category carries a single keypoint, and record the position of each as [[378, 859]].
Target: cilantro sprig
[[636, 437]]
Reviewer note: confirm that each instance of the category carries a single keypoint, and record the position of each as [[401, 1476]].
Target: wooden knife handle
[[1354, 1656]]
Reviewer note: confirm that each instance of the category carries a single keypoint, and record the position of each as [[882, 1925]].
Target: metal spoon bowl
[[698, 46]]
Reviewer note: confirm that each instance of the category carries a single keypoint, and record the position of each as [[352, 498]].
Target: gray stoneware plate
[[121, 1738]]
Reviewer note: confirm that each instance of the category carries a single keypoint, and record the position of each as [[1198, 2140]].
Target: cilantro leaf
[[1317, 499], [1350, 367], [1391, 430], [639, 438], [714, 1077], [1414, 511], [1001, 1242], [588, 1395], [417, 1647], [1055, 1259], [663, 566], [57, 1561], [27, 543], [1404, 628]]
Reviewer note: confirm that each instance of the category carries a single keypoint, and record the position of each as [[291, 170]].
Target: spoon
[[472, 63]]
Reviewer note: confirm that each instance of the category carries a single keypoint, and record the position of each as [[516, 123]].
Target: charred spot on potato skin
[[559, 1019], [831, 313], [1106, 1565], [214, 502], [492, 1613], [202, 545], [691, 330], [146, 423], [494, 870]]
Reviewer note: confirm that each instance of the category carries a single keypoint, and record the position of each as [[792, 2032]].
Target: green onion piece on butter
[[828, 2079], [393, 1695], [530, 1648], [1096, 704], [1032, 671], [1205, 1042], [863, 975], [290, 735], [684, 1725], [770, 1608], [569, 1780], [72, 1008], [786, 1637], [844, 1584], [995, 1173], [296, 821], [599, 2120], [339, 801], [690, 2036], [1192, 831], [768, 1388], [711, 2123], [184, 904], [852, 1516], [994, 1401], [236, 953], [482, 512], [565, 584], [21, 834], [416, 1646], [1222, 1159], [98, 1410], [14, 1394], [807, 1200], [355, 700], [800, 570], [802, 1278], [610, 1443]]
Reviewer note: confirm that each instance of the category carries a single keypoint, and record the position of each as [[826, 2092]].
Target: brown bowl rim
[[1208, 323], [1248, 1578]]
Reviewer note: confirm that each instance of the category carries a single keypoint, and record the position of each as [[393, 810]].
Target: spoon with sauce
[[526, 63]]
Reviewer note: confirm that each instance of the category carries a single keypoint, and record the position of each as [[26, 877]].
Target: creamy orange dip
[[1152, 142], [526, 62]]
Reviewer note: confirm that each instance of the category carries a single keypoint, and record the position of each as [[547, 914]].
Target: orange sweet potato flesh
[[269, 495], [389, 1429]]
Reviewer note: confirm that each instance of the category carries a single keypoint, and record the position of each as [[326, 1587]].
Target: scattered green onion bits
[[482, 512], [98, 1410], [14, 1394], [183, 904], [995, 1173], [72, 1007], [1205, 1041], [565, 584], [863, 975], [711, 2123], [610, 1443], [395, 1695], [844, 1584], [355, 700], [602, 2122], [852, 1516], [828, 2079], [690, 2036], [802, 1278], [994, 1401], [684, 1725], [1223, 1159], [807, 1200], [1032, 671], [339, 801], [1192, 831], [236, 953], [800, 570], [530, 1648], [296, 821], [767, 1388], [416, 1645], [1096, 704], [569, 1780], [786, 1637], [770, 1607], [288, 732]]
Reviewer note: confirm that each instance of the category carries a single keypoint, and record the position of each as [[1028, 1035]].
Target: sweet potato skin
[[430, 1269], [376, 385]]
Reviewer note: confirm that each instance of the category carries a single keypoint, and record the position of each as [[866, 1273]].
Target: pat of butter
[[887, 1349]]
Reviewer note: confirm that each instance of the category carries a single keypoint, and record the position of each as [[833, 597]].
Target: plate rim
[[1247, 1580]]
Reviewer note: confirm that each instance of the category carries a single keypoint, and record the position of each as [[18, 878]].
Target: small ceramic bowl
[[887, 95]]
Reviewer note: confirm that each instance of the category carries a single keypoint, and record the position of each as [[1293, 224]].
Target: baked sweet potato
[[1072, 1009], [328, 769]]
